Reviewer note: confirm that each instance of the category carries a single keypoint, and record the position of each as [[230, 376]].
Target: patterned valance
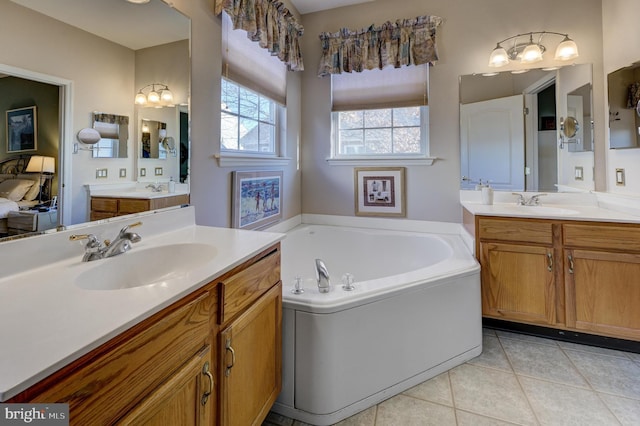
[[269, 23], [111, 118], [407, 42]]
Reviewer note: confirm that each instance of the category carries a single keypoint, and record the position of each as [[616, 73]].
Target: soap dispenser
[[172, 185]]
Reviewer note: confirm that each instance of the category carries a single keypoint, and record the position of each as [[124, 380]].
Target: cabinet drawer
[[104, 204], [114, 380], [625, 238], [132, 205], [515, 230], [240, 290]]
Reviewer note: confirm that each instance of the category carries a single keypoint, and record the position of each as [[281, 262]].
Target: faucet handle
[[127, 227], [77, 237], [520, 199]]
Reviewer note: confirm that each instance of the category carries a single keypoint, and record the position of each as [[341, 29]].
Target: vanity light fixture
[[157, 96], [529, 51]]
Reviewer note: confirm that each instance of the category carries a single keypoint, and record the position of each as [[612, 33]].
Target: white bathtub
[[415, 313]]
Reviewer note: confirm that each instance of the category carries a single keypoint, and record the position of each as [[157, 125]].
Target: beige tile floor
[[517, 380]]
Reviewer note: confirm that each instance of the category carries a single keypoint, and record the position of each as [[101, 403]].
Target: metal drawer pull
[[570, 264], [206, 372], [550, 264], [233, 358]]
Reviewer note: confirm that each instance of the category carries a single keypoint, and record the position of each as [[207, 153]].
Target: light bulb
[[141, 99], [566, 50], [532, 53], [499, 57], [153, 96], [166, 95]]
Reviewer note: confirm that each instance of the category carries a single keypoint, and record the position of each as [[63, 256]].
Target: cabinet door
[[518, 282], [251, 361], [186, 398], [602, 292]]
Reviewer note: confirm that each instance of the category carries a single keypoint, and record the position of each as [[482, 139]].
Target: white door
[[492, 143]]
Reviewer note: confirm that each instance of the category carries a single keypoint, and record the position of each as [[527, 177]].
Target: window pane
[[229, 97], [377, 118], [267, 110], [351, 142], [248, 103], [406, 140], [248, 135], [267, 137], [406, 116], [351, 120], [378, 141], [229, 131]]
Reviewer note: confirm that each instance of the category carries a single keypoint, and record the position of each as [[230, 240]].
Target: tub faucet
[[322, 275]]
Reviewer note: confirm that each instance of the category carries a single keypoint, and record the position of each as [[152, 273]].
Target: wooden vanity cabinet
[[214, 357], [572, 275], [518, 277], [106, 207], [602, 276], [250, 343]]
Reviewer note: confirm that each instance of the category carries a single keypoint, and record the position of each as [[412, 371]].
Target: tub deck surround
[[50, 321], [415, 312]]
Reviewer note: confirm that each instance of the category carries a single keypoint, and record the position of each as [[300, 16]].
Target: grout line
[[526, 397]]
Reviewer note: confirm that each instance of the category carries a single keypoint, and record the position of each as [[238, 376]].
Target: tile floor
[[517, 380]]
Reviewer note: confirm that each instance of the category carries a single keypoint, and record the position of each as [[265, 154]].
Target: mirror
[[124, 33], [513, 151], [624, 104], [569, 127], [114, 135], [154, 133]]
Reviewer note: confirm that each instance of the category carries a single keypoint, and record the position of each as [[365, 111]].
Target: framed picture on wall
[[257, 199], [380, 191], [22, 129]]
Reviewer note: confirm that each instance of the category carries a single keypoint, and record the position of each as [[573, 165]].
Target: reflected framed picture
[[257, 199], [380, 191], [22, 129]]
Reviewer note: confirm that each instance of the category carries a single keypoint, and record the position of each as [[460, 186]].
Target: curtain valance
[[269, 23], [405, 42]]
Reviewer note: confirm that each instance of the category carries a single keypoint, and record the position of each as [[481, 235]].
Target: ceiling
[[309, 6], [135, 26]]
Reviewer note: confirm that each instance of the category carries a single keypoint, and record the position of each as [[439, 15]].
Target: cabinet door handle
[[207, 372], [229, 349], [550, 262], [570, 264]]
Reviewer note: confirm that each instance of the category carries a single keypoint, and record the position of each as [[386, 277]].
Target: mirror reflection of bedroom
[[29, 147]]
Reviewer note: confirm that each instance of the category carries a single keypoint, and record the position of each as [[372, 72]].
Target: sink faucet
[[155, 187], [95, 249], [322, 275], [533, 201]]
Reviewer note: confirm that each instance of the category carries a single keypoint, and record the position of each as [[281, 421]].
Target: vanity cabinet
[[250, 342], [572, 275], [602, 276], [106, 207], [214, 357], [518, 279]]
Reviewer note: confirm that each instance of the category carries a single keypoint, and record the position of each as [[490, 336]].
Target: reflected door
[[492, 143]]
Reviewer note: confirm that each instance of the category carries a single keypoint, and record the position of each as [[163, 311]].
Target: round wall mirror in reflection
[[570, 127]]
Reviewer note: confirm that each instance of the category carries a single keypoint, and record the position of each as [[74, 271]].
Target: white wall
[[467, 36], [621, 33]]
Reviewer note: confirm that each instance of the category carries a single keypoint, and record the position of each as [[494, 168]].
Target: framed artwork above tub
[[380, 191]]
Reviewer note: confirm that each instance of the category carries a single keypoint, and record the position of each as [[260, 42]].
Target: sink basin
[[150, 266], [542, 210]]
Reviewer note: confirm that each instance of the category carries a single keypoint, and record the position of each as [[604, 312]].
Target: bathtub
[[415, 312]]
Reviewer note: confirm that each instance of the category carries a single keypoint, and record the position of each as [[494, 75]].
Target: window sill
[[393, 161], [239, 160]]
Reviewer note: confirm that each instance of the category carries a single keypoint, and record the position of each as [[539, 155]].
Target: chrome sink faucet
[[322, 275], [532, 201], [94, 249], [155, 187]]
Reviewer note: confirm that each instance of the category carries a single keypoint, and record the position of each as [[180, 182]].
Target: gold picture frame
[[380, 191]]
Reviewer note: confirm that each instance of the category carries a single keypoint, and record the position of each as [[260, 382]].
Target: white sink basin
[[542, 210], [150, 266]]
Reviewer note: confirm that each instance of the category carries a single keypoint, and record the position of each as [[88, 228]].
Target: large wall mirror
[[151, 41], [624, 107], [510, 130]]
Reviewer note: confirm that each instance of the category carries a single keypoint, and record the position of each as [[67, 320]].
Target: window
[[381, 132], [248, 120]]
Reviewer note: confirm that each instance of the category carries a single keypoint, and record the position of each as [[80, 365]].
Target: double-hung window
[[380, 114]]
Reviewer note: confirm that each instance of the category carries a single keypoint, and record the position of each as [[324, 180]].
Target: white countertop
[[48, 321], [137, 193]]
